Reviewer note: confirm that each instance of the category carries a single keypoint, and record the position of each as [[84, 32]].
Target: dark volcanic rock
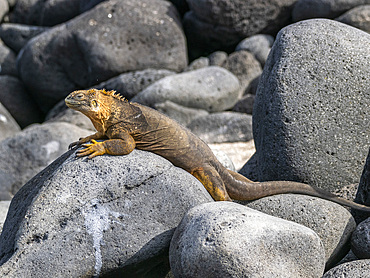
[[109, 215], [112, 38], [219, 25], [16, 36], [47, 12], [312, 109]]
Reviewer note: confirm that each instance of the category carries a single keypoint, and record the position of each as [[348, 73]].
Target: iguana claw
[[92, 149]]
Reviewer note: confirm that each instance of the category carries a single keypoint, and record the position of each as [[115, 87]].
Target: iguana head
[[95, 104]]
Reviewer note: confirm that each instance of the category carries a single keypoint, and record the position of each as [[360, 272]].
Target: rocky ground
[[265, 80]]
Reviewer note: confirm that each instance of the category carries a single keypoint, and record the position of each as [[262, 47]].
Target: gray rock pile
[[216, 67]]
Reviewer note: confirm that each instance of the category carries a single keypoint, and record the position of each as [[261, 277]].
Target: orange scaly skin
[[127, 126]]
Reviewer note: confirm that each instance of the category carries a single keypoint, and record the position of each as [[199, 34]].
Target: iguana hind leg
[[212, 181]]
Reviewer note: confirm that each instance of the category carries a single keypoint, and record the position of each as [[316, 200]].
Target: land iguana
[[126, 126]]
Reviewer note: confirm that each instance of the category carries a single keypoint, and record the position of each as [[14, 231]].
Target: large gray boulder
[[111, 215], [333, 223], [28, 152], [112, 38], [312, 109], [210, 88], [221, 24], [224, 239]]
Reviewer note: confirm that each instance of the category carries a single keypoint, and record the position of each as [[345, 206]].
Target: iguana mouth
[[72, 103]]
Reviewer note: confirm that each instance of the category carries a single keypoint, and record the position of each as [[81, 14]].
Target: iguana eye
[[94, 104], [79, 96]]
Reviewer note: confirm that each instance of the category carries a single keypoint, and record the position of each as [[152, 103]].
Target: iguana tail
[[240, 188]]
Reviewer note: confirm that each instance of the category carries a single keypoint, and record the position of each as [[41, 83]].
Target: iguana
[[126, 126]]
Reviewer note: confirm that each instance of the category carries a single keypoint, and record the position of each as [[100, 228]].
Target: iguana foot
[[92, 149]]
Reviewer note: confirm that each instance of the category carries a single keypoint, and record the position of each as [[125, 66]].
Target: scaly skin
[[127, 126]]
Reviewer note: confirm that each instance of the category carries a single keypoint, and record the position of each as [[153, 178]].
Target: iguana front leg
[[124, 145], [95, 136]]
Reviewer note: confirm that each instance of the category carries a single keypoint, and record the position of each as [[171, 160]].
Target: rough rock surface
[[213, 24], [28, 152], [358, 17], [211, 88], [111, 214], [360, 241], [333, 223], [224, 239], [312, 109], [223, 127], [112, 38], [8, 126], [19, 103], [306, 9], [359, 268]]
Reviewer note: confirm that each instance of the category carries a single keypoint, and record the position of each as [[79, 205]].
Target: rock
[[28, 152], [16, 36], [7, 61], [130, 84], [360, 241], [217, 58], [4, 9], [244, 66], [61, 113], [312, 109], [358, 17], [112, 38], [224, 239], [360, 268], [44, 13], [332, 222], [305, 9], [224, 159], [212, 25], [199, 63], [18, 102], [258, 45], [8, 126], [111, 215], [181, 114], [211, 88], [4, 207], [245, 104], [363, 191], [238, 152], [223, 127]]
